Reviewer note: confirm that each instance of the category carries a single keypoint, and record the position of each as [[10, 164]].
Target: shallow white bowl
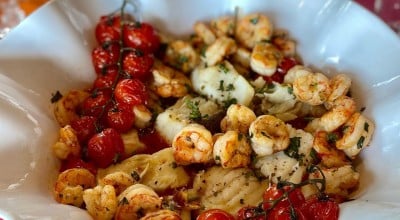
[[50, 51]]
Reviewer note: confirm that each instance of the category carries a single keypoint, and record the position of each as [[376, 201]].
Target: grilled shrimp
[[268, 134], [217, 51], [143, 116], [223, 26], [238, 117], [330, 156], [65, 108], [296, 72], [232, 150], [204, 32], [193, 144], [265, 58], [169, 82], [287, 46], [242, 57], [313, 89], [340, 85], [70, 185], [182, 55], [119, 180], [101, 202], [163, 214], [136, 201], [253, 28], [357, 133], [67, 143], [342, 109]]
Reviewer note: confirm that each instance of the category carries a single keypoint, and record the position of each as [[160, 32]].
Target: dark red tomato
[[108, 29], [105, 56], [96, 102], [273, 193], [77, 162], [85, 127], [284, 213], [215, 214], [138, 64], [120, 117], [321, 209], [152, 139], [284, 66], [105, 148], [141, 36], [250, 212], [131, 92], [106, 79]]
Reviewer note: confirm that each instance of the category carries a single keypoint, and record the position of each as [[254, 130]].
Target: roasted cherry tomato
[[284, 66], [77, 162], [131, 92], [273, 193], [85, 128], [105, 148], [250, 212], [108, 29], [107, 78], [324, 209], [120, 117], [285, 213], [215, 214], [105, 56], [141, 36], [138, 64], [97, 103]]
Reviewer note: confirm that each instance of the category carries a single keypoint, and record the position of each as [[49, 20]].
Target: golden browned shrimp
[[340, 85], [101, 202], [163, 214], [119, 180], [238, 117], [330, 156], [67, 143], [136, 201], [284, 44], [204, 32], [217, 51], [181, 55], [223, 26], [268, 134], [193, 144], [357, 133], [65, 108], [232, 150], [265, 58], [343, 108], [70, 185], [313, 89], [296, 72], [253, 28], [168, 82]]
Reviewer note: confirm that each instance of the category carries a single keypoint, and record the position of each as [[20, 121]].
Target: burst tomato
[[249, 212], [285, 213], [85, 128], [131, 92], [108, 29], [97, 103], [105, 148], [120, 117], [105, 56], [141, 36], [106, 79], [77, 162], [296, 197], [324, 209], [284, 66], [138, 64], [215, 214]]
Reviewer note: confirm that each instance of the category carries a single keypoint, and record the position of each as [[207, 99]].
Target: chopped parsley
[[360, 142], [195, 113], [55, 97], [228, 102], [332, 137], [366, 126], [293, 149], [223, 68], [254, 20]]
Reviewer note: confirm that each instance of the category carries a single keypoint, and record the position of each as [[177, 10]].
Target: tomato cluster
[[122, 61]]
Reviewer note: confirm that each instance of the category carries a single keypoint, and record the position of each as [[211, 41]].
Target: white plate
[[50, 51]]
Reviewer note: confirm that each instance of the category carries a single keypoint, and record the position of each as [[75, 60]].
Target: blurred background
[[14, 11]]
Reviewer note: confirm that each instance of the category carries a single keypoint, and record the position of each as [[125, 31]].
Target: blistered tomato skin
[[85, 127], [286, 213], [105, 56], [120, 117], [273, 193], [96, 102], [108, 29], [138, 64], [107, 78], [131, 92], [320, 209], [105, 148], [141, 36], [215, 214], [77, 162], [250, 212]]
